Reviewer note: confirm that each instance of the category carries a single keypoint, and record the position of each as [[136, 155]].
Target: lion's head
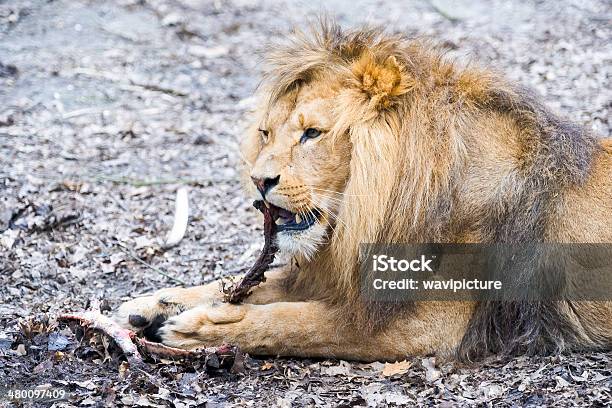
[[299, 165], [310, 151]]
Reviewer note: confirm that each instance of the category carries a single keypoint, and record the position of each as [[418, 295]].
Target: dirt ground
[[106, 108]]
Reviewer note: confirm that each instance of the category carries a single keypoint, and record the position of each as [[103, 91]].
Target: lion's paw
[[202, 326], [147, 313]]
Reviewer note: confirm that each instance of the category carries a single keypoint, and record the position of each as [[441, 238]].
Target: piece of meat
[[255, 275]]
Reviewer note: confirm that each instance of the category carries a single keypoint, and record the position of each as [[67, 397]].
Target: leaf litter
[[151, 98]]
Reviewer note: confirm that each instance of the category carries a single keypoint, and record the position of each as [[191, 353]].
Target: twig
[[112, 197], [129, 82], [129, 252], [142, 183], [84, 111], [123, 36], [441, 12], [157, 88], [127, 180]]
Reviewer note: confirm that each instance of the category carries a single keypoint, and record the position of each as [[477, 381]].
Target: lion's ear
[[382, 80]]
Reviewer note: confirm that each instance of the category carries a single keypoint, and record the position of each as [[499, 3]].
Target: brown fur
[[415, 150]]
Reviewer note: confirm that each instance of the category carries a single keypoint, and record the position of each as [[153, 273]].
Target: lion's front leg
[[283, 328], [147, 313], [316, 329], [300, 329]]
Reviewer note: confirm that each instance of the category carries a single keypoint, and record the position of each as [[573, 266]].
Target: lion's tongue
[[285, 215]]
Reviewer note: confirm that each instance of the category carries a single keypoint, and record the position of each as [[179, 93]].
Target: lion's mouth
[[289, 221]]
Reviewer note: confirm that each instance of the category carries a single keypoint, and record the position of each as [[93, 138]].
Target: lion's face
[[298, 165]]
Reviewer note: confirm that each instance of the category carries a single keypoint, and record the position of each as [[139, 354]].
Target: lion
[[367, 137]]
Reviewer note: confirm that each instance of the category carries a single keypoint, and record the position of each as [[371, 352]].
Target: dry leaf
[[123, 369], [266, 366], [561, 382], [431, 373], [87, 384], [344, 368], [396, 368], [21, 350]]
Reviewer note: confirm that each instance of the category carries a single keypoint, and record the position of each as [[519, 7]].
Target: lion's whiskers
[[339, 192], [329, 212]]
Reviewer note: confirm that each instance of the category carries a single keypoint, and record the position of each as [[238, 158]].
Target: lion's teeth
[[298, 219]]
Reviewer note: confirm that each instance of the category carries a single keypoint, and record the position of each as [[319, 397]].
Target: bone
[[132, 346], [181, 218]]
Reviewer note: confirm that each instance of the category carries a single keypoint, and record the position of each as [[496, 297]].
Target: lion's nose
[[265, 184]]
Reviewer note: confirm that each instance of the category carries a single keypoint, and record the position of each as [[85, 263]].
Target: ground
[[106, 108]]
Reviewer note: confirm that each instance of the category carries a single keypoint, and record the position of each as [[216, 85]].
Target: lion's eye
[[264, 135], [310, 133]]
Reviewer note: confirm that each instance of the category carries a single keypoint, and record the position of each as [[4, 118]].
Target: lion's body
[[417, 151]]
